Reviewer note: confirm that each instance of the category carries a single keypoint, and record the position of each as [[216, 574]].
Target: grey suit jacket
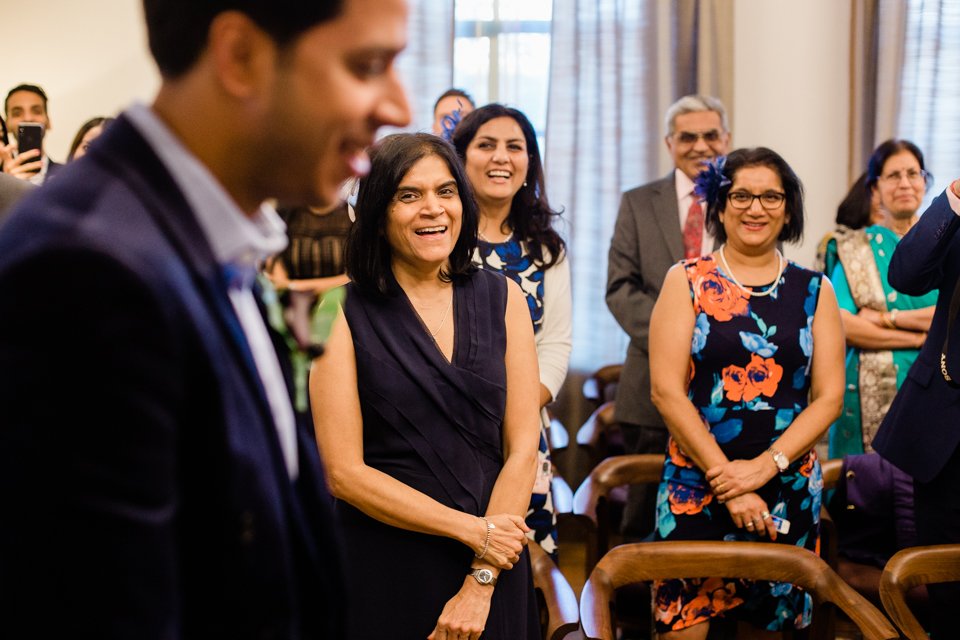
[[11, 190], [647, 241]]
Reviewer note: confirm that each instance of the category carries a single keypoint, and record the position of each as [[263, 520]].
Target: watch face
[[484, 576]]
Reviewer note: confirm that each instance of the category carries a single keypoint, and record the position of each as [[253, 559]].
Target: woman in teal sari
[[884, 328]]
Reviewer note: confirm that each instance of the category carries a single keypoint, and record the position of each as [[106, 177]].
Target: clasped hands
[[508, 536], [734, 484], [464, 616]]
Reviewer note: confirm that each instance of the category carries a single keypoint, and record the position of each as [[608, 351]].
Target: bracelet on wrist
[[486, 542], [893, 318], [886, 321]]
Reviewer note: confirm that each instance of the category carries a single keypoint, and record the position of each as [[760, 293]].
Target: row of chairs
[[586, 514], [648, 561]]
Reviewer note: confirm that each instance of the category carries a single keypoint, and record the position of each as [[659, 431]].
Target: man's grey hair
[[695, 104]]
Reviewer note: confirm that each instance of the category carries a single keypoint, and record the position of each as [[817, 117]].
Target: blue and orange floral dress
[[749, 378]]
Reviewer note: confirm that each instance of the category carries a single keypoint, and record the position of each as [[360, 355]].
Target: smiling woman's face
[[424, 219], [497, 161]]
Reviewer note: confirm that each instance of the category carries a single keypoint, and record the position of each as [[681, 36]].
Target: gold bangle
[[893, 318], [486, 542], [885, 321]]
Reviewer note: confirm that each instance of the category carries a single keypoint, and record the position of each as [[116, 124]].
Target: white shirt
[[235, 239], [684, 200]]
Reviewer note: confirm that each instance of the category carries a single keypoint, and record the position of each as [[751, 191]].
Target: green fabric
[[845, 434]]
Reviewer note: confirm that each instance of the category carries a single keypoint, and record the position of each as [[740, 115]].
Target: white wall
[[90, 57], [792, 94]]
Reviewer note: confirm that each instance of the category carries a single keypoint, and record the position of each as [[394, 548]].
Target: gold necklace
[[443, 321], [776, 283]]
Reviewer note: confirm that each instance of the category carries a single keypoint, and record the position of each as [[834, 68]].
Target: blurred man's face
[[26, 106], [697, 138], [446, 108], [336, 85]]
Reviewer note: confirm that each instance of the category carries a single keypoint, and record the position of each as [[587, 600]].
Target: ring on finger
[[749, 525], [765, 515]]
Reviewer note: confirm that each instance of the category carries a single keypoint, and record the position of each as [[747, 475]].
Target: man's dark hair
[[792, 229], [530, 217], [368, 252], [456, 93], [177, 29], [32, 88]]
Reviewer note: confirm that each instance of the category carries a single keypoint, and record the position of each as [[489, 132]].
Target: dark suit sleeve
[[627, 298], [87, 452], [919, 263]]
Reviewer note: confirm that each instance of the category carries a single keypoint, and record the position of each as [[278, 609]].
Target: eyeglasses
[[691, 137], [913, 176], [744, 199]]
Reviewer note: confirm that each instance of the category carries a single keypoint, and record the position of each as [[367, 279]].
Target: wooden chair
[[601, 386], [559, 612], [648, 561], [909, 568], [600, 435], [592, 500]]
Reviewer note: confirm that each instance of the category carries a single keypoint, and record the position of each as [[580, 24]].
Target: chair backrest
[[648, 561], [909, 568], [590, 500], [562, 612], [601, 385]]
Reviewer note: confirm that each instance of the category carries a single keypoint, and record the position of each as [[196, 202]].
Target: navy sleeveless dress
[[750, 375], [435, 426]]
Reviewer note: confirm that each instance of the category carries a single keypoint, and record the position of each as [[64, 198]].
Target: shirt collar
[[234, 237], [684, 185]]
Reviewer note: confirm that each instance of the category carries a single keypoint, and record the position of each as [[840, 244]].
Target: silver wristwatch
[[484, 576], [779, 459]]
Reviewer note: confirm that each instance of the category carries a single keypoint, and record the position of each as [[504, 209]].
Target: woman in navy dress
[[739, 339], [425, 406]]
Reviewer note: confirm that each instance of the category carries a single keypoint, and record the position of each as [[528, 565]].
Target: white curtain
[[426, 65], [930, 86], [616, 66]]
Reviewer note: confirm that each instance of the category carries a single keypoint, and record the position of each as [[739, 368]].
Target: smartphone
[[29, 136], [782, 525]]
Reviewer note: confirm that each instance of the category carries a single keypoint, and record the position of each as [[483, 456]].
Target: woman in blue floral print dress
[[739, 340], [498, 146]]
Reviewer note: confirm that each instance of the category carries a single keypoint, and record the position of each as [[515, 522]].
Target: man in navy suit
[[153, 480], [921, 431]]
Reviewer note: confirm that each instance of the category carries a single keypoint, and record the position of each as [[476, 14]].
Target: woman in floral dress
[[746, 359]]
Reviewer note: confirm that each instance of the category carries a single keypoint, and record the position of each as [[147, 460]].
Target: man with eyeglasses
[[658, 224]]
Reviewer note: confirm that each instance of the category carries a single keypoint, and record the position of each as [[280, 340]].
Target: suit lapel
[[667, 215], [140, 167]]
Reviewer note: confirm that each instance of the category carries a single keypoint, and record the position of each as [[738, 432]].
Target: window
[[501, 53], [930, 89]]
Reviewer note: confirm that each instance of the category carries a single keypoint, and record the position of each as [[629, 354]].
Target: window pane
[[525, 9], [474, 10], [524, 61], [471, 67]]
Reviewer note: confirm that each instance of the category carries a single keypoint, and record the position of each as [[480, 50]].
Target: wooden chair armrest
[[562, 495], [909, 568], [559, 436], [592, 430], [563, 611], [831, 470]]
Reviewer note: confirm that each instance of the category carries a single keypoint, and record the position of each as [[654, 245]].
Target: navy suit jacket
[[922, 428], [143, 490]]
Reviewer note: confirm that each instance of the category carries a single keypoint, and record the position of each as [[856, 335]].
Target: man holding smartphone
[[154, 480], [27, 119]]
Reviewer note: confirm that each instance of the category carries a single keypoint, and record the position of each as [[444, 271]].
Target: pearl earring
[[524, 183]]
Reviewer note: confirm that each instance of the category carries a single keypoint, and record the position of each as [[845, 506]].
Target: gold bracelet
[[893, 319], [885, 321], [486, 542]]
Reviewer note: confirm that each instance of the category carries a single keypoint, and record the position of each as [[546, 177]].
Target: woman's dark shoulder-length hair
[[530, 217], [82, 131], [792, 229], [854, 211], [368, 254], [883, 152]]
